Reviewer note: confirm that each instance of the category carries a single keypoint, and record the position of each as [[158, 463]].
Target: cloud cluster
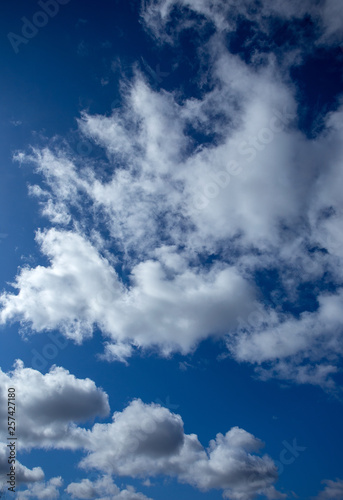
[[141, 441], [102, 489], [148, 440], [159, 242], [42, 490]]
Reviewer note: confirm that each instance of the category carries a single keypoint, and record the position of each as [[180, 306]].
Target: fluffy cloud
[[49, 404], [142, 441], [332, 491], [42, 490], [145, 436], [168, 305], [104, 489], [285, 341], [148, 440]]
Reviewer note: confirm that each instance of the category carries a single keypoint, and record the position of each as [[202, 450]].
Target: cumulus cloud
[[42, 490], [104, 489], [141, 441], [148, 440], [167, 306], [49, 404], [142, 433]]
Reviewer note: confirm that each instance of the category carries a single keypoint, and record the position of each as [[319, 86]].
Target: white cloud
[[332, 19], [148, 440], [117, 352], [43, 490], [172, 308], [225, 15], [142, 441], [58, 296], [49, 405], [104, 489], [333, 490], [142, 433], [285, 341]]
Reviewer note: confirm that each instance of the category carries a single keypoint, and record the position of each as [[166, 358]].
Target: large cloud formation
[[158, 242], [168, 305]]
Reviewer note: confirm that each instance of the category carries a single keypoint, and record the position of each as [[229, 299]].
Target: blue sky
[[171, 246]]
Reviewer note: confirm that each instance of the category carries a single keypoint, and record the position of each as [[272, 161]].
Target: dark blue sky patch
[[319, 87], [278, 37], [246, 40]]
